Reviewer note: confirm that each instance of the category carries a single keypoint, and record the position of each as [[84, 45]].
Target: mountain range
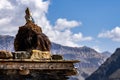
[[90, 59], [109, 70]]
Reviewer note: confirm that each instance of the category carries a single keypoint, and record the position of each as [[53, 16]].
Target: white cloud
[[13, 17], [64, 38], [113, 34], [96, 48], [5, 20], [79, 37], [62, 24], [12, 14], [5, 4]]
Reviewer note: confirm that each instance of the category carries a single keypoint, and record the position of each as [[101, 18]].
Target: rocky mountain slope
[[6, 42], [88, 56], [106, 53], [90, 59], [109, 70]]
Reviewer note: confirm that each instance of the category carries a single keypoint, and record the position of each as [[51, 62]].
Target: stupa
[[32, 59]]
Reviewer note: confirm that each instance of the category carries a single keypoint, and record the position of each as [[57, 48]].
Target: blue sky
[[96, 16], [76, 23]]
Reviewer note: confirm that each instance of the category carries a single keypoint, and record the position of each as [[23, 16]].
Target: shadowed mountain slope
[[109, 69]]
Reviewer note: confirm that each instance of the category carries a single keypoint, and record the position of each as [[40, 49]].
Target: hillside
[[90, 59], [6, 42], [106, 53], [109, 70]]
